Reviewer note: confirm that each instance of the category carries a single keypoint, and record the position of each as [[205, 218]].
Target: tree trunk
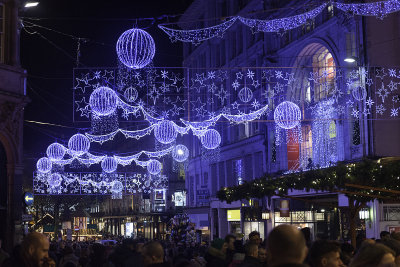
[[354, 208]]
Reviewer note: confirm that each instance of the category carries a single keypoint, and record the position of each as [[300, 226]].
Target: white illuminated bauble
[[245, 94], [55, 151], [103, 101], [165, 132], [78, 144], [359, 93], [117, 187], [287, 115], [44, 165], [147, 183], [54, 180], [131, 94], [211, 139], [135, 48], [180, 153], [154, 166], [109, 164]]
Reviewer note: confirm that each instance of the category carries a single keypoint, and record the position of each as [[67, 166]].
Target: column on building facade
[[222, 222]]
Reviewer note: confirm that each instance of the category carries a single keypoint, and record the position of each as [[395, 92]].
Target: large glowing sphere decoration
[[165, 132], [135, 48], [154, 166], [109, 164], [44, 165], [55, 151], [211, 139], [359, 93], [54, 180], [117, 187], [103, 101], [287, 115], [78, 144], [245, 94], [131, 94], [180, 153]]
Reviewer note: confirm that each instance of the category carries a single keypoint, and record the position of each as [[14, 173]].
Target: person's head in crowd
[[306, 231], [35, 250], [262, 254], [325, 253], [230, 240], [153, 253], [373, 255], [385, 235], [254, 237], [346, 254], [219, 244], [394, 245], [251, 250], [395, 235], [286, 245]]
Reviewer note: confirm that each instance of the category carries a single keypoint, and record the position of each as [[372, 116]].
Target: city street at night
[[199, 133]]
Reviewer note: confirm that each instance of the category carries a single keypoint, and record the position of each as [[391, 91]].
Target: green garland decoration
[[383, 173]]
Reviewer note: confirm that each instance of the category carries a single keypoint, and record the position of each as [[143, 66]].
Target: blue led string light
[[109, 164], [377, 9], [154, 166], [199, 35], [211, 139], [135, 48]]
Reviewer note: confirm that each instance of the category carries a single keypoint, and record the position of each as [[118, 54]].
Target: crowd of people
[[286, 246]]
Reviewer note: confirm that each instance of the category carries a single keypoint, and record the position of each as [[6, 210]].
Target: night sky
[[50, 57]]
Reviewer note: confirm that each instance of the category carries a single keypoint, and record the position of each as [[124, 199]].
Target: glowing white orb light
[[165, 132], [154, 166], [55, 151], [44, 165], [287, 115], [54, 180], [78, 144], [211, 139], [135, 48], [109, 164], [180, 153], [103, 101]]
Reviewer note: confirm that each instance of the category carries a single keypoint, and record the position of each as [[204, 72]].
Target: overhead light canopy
[[31, 3], [350, 59]]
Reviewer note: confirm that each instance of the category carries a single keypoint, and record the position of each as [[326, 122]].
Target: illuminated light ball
[[78, 144], [287, 115], [103, 101], [135, 48], [180, 153], [131, 94], [55, 152], [44, 165], [147, 183], [54, 180], [359, 93], [211, 139], [245, 94], [154, 166], [165, 132], [117, 187], [109, 164]]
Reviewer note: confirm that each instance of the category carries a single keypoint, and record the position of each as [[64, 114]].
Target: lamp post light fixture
[[364, 214], [351, 59], [266, 215], [31, 4]]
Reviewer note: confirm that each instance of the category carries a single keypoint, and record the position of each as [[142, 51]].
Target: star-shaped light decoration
[[369, 102]]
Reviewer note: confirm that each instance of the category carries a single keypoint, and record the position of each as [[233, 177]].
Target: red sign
[[284, 208], [293, 152], [76, 228]]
